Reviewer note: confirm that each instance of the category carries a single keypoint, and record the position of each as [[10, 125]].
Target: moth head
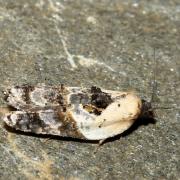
[[147, 110]]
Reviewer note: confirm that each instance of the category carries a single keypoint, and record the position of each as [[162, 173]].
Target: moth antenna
[[163, 107], [147, 107], [154, 87], [154, 82]]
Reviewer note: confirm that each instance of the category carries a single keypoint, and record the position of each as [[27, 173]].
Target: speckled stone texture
[[83, 43]]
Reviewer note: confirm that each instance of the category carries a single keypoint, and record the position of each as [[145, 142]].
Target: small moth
[[85, 113]]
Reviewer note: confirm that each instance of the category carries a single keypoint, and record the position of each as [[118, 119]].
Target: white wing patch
[[115, 119]]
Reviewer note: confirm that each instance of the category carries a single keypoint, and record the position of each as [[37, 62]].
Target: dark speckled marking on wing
[[31, 97], [44, 122], [94, 100]]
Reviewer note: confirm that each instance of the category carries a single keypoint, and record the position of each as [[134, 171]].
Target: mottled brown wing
[[53, 122], [34, 97]]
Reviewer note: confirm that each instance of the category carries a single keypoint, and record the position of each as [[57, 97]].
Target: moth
[[84, 113]]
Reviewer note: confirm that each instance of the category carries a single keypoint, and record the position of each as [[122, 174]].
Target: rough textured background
[[84, 43]]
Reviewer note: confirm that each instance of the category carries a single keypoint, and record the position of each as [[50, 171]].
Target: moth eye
[[119, 105]]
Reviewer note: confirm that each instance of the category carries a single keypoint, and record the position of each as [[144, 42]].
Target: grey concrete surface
[[83, 43]]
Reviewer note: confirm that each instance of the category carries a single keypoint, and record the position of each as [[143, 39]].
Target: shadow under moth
[[84, 113]]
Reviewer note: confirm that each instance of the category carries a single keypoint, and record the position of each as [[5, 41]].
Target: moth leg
[[46, 140], [99, 145], [101, 142]]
